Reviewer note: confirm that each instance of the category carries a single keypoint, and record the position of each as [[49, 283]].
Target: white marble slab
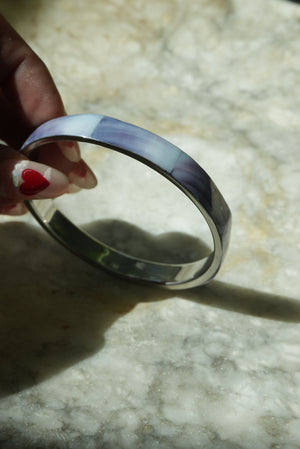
[[89, 361]]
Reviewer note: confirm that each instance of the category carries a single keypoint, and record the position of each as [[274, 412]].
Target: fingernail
[[82, 176], [14, 209], [70, 150], [73, 188], [38, 180]]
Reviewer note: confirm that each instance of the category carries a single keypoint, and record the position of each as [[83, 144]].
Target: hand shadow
[[55, 308]]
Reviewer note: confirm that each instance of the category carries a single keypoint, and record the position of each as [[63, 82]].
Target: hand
[[29, 97]]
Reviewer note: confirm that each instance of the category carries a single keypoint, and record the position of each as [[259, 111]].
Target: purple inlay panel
[[188, 173], [138, 141]]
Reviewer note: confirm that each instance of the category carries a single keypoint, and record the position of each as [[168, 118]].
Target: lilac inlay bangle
[[166, 159]]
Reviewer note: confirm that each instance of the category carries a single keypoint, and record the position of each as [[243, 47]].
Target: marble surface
[[90, 361]]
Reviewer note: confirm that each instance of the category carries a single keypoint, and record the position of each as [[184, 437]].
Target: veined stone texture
[[91, 361]]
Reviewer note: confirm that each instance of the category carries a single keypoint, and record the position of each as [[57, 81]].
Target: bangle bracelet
[[163, 157]]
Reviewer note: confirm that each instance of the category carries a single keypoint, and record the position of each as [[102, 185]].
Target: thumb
[[22, 179]]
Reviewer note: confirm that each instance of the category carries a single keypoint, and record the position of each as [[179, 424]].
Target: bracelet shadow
[[55, 308]]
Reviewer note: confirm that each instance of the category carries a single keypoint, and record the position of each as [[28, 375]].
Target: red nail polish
[[69, 143], [83, 171], [13, 209], [33, 182], [5, 209]]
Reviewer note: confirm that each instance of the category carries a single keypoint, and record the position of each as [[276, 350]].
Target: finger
[[70, 150], [13, 130], [21, 209], [14, 209], [73, 188], [78, 172], [28, 95], [21, 179], [29, 98], [82, 176], [25, 79]]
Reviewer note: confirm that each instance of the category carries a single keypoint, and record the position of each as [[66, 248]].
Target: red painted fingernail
[[70, 150], [83, 176], [83, 171], [13, 209], [8, 208], [29, 181], [33, 182], [38, 180], [73, 188]]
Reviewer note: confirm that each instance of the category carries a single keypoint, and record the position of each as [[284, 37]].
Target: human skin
[[28, 98]]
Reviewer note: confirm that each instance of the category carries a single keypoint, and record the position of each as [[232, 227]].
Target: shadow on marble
[[247, 301], [18, 9], [170, 247], [178, 247], [55, 308]]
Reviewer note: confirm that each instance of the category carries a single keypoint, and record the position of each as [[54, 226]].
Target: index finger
[[25, 82]]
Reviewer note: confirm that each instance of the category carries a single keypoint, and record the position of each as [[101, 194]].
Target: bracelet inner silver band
[[163, 157]]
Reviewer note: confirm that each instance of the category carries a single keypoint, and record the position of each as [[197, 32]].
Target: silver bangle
[[161, 156]]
